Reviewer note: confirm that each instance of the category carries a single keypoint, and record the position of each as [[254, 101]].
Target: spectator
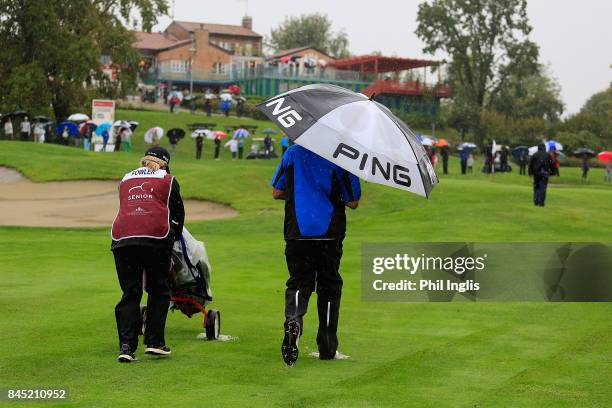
[[65, 136], [118, 140], [86, 131], [444, 152], [126, 140], [105, 137], [463, 157], [540, 166], [199, 144], [8, 129], [240, 148], [608, 172], [208, 107], [39, 133], [25, 129], [470, 163], [267, 146], [523, 162], [556, 164], [240, 107], [233, 146], [585, 167], [503, 159], [217, 147]]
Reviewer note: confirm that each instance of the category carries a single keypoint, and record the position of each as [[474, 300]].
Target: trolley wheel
[[213, 324], [143, 319]]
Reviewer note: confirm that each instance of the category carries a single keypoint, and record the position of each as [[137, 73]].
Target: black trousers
[[463, 166], [313, 265], [523, 171], [198, 152], [540, 183], [217, 147], [445, 164], [131, 262]]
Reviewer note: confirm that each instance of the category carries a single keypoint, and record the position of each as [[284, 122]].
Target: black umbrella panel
[[358, 134]]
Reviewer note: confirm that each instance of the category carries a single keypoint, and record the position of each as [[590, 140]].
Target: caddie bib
[[143, 205]]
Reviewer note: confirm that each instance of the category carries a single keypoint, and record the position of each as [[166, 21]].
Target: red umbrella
[[605, 157], [219, 134], [285, 59], [234, 89]]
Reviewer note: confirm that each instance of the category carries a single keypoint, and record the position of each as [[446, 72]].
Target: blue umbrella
[[102, 127], [241, 133], [466, 146], [73, 129]]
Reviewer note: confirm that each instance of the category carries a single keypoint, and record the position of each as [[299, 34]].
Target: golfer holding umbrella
[[339, 134], [149, 220]]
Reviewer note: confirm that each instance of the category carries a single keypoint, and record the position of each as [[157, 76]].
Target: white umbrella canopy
[[200, 132], [154, 134], [78, 117], [225, 97], [358, 134], [122, 124]]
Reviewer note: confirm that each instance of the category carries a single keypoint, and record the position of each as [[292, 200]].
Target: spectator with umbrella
[[233, 146], [8, 128], [218, 136], [444, 152], [586, 155], [540, 167], [241, 134], [267, 146], [521, 154], [25, 128], [198, 135], [606, 158], [174, 135], [240, 101]]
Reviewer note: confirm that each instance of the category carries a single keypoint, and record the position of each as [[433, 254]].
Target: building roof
[[292, 51], [224, 29], [378, 63], [155, 41]]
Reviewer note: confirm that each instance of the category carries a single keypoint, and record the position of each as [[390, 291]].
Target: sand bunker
[[76, 203]]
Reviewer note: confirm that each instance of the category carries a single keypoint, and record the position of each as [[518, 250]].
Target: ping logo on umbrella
[[397, 172], [286, 116]]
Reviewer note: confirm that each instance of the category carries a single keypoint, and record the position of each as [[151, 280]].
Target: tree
[[309, 30], [487, 41], [595, 116], [534, 96], [59, 44]]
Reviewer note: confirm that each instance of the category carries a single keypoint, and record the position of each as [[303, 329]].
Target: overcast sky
[[575, 37]]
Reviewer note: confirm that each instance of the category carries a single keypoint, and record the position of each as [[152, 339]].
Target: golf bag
[[190, 274]]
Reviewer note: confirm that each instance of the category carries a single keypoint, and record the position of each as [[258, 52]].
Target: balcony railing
[[285, 71], [198, 75], [386, 86]]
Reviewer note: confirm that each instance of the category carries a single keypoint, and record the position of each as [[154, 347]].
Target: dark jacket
[[540, 163]]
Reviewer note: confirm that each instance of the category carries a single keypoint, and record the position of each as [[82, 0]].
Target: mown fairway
[[58, 290]]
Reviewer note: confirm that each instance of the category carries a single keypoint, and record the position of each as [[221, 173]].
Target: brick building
[[204, 53]]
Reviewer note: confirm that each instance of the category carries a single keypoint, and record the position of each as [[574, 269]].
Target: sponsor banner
[[457, 271], [102, 110]]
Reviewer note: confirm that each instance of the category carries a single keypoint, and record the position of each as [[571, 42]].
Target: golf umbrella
[[176, 133], [41, 119], [605, 157], [425, 141], [133, 124], [153, 134], [234, 89], [269, 131], [91, 124], [209, 96], [241, 133], [217, 134], [122, 124], [553, 145], [466, 146], [73, 129], [201, 132], [584, 152], [442, 143], [78, 117], [102, 127], [20, 113], [356, 133]]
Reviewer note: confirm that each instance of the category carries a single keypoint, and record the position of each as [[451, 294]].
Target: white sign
[[102, 110]]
